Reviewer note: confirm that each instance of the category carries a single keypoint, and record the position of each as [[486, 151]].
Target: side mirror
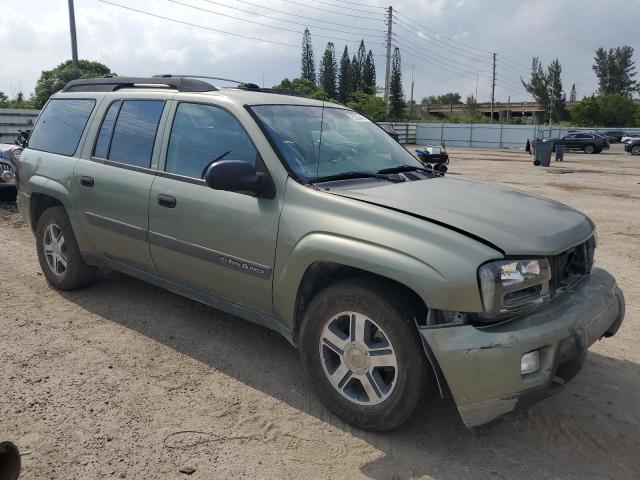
[[239, 176]]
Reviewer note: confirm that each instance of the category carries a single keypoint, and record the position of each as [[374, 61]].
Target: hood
[[515, 222]]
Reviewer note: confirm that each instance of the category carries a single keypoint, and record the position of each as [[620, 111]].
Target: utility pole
[[477, 87], [493, 85], [508, 109], [411, 101], [74, 43], [387, 74]]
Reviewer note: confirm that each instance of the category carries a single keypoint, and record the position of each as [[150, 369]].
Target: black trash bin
[[559, 153], [542, 152]]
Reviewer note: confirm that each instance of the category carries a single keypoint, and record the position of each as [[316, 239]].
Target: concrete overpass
[[531, 111]]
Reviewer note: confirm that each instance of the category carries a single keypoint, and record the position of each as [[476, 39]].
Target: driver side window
[[202, 134]]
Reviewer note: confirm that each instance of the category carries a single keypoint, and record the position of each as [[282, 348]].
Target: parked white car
[[630, 136]]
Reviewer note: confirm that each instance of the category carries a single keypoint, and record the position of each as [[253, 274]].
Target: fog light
[[530, 362]]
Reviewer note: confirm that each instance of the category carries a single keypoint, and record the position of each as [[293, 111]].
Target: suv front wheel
[[58, 252], [362, 352]]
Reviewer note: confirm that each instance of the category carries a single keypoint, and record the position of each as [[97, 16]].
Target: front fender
[[324, 247]]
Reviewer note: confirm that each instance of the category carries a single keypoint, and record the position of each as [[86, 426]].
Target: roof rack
[[111, 84], [241, 85]]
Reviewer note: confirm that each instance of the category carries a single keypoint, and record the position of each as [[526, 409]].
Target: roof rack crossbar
[[111, 84]]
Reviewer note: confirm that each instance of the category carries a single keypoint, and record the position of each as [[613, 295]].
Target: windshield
[[319, 142]]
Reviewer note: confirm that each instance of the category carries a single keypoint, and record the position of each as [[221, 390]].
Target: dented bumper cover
[[482, 365]]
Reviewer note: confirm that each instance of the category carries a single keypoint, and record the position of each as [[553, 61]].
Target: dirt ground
[[125, 380]]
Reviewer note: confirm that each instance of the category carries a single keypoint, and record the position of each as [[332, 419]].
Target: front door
[[217, 242], [112, 188]]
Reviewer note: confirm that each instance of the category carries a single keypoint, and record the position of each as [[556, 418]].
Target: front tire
[[58, 252], [589, 148], [635, 150], [363, 354]]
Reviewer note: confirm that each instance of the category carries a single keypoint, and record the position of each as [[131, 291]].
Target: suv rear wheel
[[589, 148], [58, 252], [362, 352]]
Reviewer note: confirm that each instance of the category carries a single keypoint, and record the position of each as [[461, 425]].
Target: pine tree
[[308, 66], [328, 71], [615, 70], [396, 95], [538, 86], [557, 97], [361, 59], [356, 77], [369, 75], [573, 96], [344, 77]]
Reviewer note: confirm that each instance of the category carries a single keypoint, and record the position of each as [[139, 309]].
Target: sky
[[445, 44]]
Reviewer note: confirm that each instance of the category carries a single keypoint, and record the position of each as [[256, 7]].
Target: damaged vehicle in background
[[393, 280], [9, 158]]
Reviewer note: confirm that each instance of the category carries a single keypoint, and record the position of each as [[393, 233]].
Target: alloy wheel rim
[[636, 150], [55, 249], [588, 149], [358, 359]]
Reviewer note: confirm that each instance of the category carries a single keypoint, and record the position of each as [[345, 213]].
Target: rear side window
[[202, 134], [128, 132], [61, 125]]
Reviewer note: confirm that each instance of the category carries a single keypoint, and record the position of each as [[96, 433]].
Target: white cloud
[[34, 36]]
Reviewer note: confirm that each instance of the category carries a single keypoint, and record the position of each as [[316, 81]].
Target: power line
[[292, 21], [451, 48], [408, 19], [437, 61], [262, 7], [198, 26], [331, 11], [351, 8], [260, 23]]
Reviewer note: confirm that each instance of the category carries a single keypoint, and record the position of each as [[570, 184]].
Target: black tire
[[589, 148], [8, 194], [381, 302], [77, 272], [635, 150]]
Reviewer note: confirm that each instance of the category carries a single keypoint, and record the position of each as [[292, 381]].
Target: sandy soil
[[123, 379]]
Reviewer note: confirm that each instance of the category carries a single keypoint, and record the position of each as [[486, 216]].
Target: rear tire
[[635, 150], [381, 376], [589, 148], [58, 252]]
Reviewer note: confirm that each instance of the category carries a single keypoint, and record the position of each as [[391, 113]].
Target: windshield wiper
[[350, 175], [402, 168]]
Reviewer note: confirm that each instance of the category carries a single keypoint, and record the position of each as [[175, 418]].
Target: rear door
[[217, 242], [112, 185]]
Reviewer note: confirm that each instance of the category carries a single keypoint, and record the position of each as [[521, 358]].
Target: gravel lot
[[125, 380]]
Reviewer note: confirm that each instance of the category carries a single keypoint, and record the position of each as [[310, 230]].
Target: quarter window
[[202, 134], [61, 125], [128, 132]]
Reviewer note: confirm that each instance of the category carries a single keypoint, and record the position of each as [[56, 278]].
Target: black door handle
[[166, 201], [87, 181]]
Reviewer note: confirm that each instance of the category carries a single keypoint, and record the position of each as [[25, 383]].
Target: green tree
[[573, 96], [613, 110], [538, 86], [471, 105], [615, 70], [51, 81], [308, 64], [304, 86], [445, 99], [396, 94], [4, 100], [329, 71], [356, 72], [344, 77], [371, 106], [369, 75], [557, 97], [358, 67]]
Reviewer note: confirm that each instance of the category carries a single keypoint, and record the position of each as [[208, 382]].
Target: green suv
[[392, 280]]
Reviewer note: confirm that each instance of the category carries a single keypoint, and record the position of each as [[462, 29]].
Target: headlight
[[509, 287], [15, 155]]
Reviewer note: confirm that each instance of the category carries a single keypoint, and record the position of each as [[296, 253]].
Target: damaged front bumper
[[482, 365]]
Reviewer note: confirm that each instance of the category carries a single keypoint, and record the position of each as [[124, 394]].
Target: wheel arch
[[46, 193]]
